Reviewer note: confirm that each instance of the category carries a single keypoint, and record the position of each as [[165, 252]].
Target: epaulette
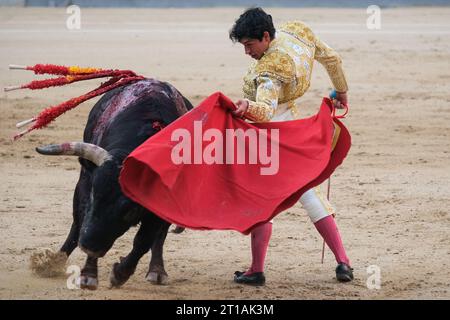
[[300, 31]]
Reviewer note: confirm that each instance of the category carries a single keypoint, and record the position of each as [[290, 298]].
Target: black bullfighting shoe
[[344, 273], [254, 279]]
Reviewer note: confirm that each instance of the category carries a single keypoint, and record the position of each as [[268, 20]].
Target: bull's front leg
[[156, 273], [72, 238], [80, 198], [142, 243], [89, 274]]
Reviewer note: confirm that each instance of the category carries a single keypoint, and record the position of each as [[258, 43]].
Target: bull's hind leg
[[142, 243], [89, 274], [156, 273]]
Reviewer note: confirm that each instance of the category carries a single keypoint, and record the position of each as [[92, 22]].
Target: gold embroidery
[[278, 65], [325, 203], [266, 102], [294, 109], [249, 88], [333, 64], [300, 31], [258, 113], [337, 132]]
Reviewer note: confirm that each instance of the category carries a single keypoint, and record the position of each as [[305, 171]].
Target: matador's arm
[[267, 93], [332, 62]]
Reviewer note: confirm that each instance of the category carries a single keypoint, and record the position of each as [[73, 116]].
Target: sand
[[392, 193]]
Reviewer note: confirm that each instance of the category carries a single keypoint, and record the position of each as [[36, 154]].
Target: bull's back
[[130, 113]]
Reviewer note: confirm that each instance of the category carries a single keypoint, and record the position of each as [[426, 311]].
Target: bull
[[118, 123]]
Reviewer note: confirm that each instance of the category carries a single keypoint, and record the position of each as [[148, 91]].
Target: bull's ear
[[87, 165]]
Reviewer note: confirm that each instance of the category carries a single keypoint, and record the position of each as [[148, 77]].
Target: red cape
[[232, 196]]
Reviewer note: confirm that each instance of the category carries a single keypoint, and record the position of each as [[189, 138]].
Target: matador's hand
[[341, 100], [242, 106]]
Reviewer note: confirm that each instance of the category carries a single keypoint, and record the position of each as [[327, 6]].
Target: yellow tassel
[[79, 70]]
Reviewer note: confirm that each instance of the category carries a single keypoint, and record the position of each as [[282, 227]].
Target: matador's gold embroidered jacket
[[283, 73]]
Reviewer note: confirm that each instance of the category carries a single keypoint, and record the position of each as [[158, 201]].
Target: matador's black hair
[[252, 24]]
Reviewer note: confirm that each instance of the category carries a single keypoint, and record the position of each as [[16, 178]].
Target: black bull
[[118, 123]]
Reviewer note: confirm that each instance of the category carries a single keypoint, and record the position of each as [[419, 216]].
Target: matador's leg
[[321, 214]]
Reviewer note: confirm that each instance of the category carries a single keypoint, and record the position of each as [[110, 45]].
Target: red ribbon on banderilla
[[68, 75]]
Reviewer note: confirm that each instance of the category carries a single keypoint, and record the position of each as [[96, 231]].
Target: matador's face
[[256, 48]]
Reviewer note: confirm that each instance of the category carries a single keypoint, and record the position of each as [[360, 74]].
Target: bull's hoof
[[159, 278], [177, 230], [118, 278], [88, 282]]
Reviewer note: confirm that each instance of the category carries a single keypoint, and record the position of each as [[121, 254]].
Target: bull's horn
[[84, 150]]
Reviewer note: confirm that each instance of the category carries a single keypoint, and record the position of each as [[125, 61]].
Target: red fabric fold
[[232, 196]]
